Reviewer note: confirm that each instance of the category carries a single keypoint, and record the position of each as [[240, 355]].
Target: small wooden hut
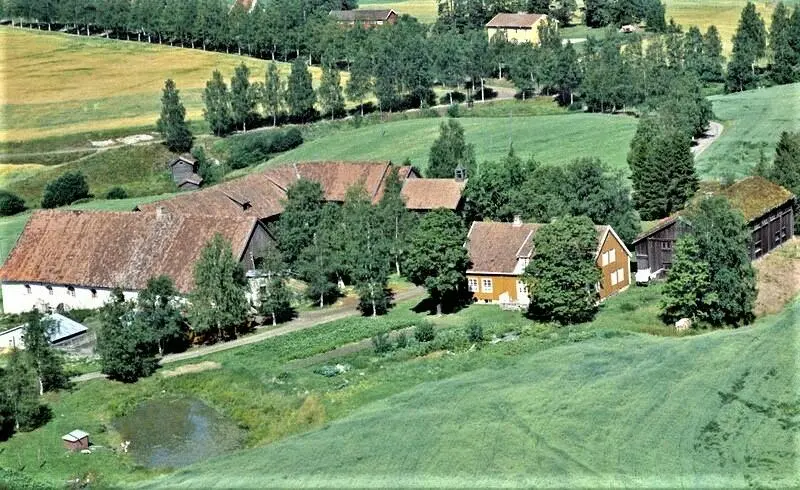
[[76, 440]]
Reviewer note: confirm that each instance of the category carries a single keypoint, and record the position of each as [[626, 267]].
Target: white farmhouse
[[73, 259]]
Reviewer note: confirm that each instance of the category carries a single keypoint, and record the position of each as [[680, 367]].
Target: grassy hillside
[[720, 409], [55, 84], [550, 139], [753, 122]]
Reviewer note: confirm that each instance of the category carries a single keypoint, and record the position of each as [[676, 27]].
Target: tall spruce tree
[[786, 168], [172, 122], [217, 102], [662, 167], [436, 258], [782, 54], [712, 54], [330, 91], [722, 241], [45, 360], [243, 100], [272, 95], [218, 303], [366, 251], [749, 44], [562, 275], [300, 96], [449, 150]]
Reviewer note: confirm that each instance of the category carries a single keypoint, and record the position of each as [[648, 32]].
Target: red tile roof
[[361, 15], [515, 21], [116, 249], [494, 247], [426, 194]]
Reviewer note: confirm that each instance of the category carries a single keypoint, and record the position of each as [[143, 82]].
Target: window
[[667, 245], [486, 286], [27, 289], [94, 293], [604, 260], [612, 256], [472, 284], [70, 291], [617, 277], [50, 290], [522, 288]]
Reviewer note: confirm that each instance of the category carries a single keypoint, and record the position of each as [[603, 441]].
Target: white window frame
[[28, 289], [522, 288], [484, 283], [620, 275], [604, 259], [612, 255], [472, 284]]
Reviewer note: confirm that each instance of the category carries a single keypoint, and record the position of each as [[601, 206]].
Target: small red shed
[[76, 440]]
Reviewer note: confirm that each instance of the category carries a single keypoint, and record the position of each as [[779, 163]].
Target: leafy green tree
[[217, 102], [172, 123], [218, 301], [127, 351], [562, 275], [301, 216], [66, 189], [436, 258], [157, 307], [397, 220], [272, 95], [563, 10], [450, 59], [567, 75], [654, 16], [275, 298], [360, 83], [243, 97], [300, 96], [662, 168], [449, 150], [493, 194], [366, 250], [322, 262], [10, 203], [207, 169], [330, 91], [725, 291], [749, 44], [44, 359], [20, 391]]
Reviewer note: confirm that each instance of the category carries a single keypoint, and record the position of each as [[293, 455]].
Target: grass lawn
[[57, 84], [550, 139], [753, 123], [608, 409]]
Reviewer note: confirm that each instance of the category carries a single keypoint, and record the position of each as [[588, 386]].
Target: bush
[[252, 148], [117, 193], [453, 110], [458, 97], [382, 343], [401, 341], [474, 332], [285, 141], [66, 189], [424, 332], [10, 204]]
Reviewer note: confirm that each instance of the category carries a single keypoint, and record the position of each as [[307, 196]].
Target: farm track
[[302, 322]]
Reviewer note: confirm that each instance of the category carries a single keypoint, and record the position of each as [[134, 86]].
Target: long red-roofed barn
[[74, 259]]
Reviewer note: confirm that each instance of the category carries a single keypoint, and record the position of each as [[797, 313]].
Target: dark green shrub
[[285, 141], [454, 110], [249, 149], [66, 189], [382, 343], [424, 332], [401, 341], [117, 193], [474, 332], [10, 204]]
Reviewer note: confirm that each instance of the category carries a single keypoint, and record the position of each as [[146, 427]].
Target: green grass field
[[720, 409], [55, 84], [550, 139], [753, 122]]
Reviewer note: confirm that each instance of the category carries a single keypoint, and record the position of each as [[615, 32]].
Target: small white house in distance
[[65, 329], [74, 259]]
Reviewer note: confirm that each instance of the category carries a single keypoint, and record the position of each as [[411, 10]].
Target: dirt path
[[714, 131], [304, 321]]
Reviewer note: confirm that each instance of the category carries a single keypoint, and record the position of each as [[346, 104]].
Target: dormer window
[[71, 290], [28, 289], [50, 290]]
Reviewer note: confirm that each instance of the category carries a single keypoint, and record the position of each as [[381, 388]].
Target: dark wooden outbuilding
[[184, 172], [77, 440], [767, 207]]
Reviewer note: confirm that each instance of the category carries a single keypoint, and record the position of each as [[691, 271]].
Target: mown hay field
[[56, 84], [612, 410]]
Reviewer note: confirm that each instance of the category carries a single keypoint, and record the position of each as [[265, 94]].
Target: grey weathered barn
[[184, 172], [767, 207]]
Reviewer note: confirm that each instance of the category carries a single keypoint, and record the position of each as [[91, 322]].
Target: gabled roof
[[753, 197], [183, 158], [117, 249], [362, 15], [426, 194], [75, 436], [495, 247], [515, 21]]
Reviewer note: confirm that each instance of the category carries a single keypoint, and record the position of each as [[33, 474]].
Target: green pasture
[[753, 122], [610, 410], [553, 139]]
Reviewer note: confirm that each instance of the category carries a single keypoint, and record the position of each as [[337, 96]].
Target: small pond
[[169, 433]]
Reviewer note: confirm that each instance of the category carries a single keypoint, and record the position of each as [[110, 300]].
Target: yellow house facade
[[517, 28]]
